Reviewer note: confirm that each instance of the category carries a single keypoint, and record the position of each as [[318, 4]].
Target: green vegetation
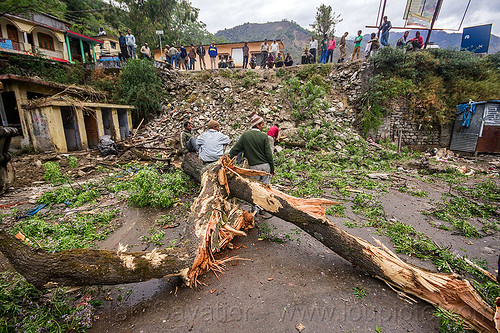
[[59, 233], [359, 292], [334, 159], [141, 87], [450, 322], [53, 173], [155, 237], [306, 97], [325, 21], [458, 210], [336, 210], [432, 82], [45, 68], [149, 187], [23, 308], [415, 193]]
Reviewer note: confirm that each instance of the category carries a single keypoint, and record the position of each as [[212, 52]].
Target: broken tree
[[215, 219]]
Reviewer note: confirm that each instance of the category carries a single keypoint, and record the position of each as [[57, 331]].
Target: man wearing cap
[[212, 143], [255, 144]]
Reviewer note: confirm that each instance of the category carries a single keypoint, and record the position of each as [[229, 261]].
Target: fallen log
[[214, 220], [212, 224]]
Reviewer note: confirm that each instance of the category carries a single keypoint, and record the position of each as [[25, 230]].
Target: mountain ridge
[[295, 38]]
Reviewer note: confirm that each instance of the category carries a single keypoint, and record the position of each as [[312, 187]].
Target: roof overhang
[[83, 37]]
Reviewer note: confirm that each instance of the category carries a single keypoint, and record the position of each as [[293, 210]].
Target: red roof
[[87, 38]]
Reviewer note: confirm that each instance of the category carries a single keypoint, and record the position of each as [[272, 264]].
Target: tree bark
[[215, 220], [212, 224]]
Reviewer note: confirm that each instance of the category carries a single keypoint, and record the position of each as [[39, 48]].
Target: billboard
[[476, 39], [420, 12]]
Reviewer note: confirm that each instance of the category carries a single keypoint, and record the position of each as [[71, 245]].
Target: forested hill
[[293, 35]]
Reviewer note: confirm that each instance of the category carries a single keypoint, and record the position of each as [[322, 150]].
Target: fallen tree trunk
[[447, 291], [215, 221], [212, 224]]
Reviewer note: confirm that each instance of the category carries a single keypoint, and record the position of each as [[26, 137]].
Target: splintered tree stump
[[215, 219]]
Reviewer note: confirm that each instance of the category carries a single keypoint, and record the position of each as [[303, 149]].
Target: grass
[[359, 292], [458, 210], [154, 237], [23, 308]]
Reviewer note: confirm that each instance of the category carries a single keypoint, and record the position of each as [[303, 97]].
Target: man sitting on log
[[212, 143], [188, 141], [255, 144]]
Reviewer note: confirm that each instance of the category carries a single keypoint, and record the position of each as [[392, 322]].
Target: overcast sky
[[356, 14]]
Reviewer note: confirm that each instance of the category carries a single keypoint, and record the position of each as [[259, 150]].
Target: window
[[113, 45], [45, 41]]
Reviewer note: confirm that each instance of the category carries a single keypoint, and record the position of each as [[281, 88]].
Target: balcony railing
[[11, 45]]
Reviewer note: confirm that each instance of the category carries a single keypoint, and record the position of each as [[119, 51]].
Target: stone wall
[[413, 133], [352, 79]]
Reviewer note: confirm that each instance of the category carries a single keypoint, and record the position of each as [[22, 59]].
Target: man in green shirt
[[357, 45], [255, 144]]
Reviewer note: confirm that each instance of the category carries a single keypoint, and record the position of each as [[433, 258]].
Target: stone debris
[[200, 96]]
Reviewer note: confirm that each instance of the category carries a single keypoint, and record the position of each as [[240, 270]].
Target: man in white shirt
[[275, 48], [212, 143], [146, 51], [313, 46]]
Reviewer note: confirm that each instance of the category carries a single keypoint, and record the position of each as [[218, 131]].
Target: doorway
[[107, 122], [70, 125], [123, 122], [90, 120], [13, 35]]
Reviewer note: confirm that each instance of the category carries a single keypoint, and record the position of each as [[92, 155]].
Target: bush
[[433, 82], [45, 69], [141, 87]]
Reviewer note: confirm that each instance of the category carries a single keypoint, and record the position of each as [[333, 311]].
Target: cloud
[[356, 14]]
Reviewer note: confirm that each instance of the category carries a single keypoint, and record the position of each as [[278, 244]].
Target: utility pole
[[434, 18], [159, 33], [381, 18]]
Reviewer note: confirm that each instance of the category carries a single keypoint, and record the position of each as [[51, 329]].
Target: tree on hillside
[[178, 20], [326, 19], [25, 6]]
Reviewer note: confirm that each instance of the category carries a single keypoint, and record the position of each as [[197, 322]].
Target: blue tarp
[[468, 109]]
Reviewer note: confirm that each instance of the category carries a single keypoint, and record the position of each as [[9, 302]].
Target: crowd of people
[[327, 45], [269, 53]]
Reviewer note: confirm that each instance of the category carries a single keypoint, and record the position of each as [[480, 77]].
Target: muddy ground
[[270, 286]]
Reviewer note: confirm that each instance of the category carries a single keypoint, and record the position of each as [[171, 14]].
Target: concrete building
[[65, 125], [45, 35], [62, 124], [109, 50], [235, 50]]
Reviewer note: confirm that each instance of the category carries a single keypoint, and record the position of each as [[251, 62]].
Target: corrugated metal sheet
[[465, 138]]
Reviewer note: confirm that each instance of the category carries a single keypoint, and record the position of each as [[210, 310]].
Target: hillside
[[293, 35]]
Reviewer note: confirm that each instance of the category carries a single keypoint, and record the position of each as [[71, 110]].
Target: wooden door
[[13, 35]]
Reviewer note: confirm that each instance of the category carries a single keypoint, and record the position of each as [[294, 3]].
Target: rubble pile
[[222, 95]]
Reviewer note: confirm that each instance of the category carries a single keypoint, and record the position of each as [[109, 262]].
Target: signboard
[[159, 32], [476, 39], [6, 44], [420, 12]]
